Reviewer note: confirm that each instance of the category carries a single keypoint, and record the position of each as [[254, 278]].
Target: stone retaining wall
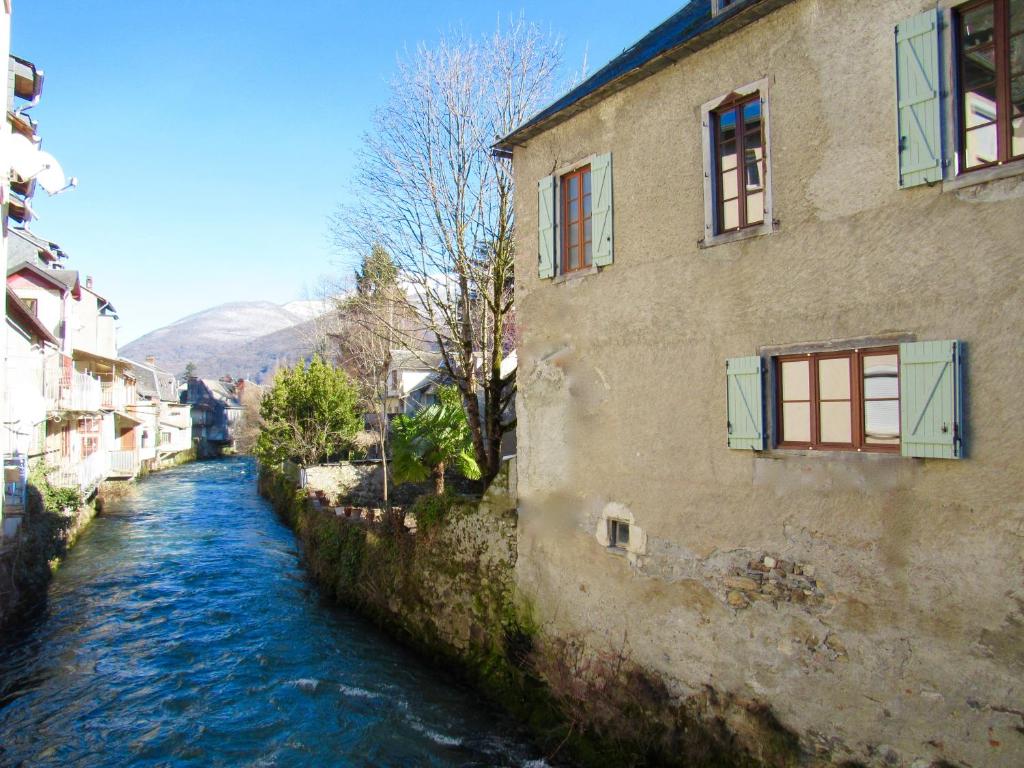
[[450, 591]]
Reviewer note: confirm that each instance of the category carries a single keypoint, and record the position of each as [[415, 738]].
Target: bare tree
[[430, 190], [248, 430], [365, 339]]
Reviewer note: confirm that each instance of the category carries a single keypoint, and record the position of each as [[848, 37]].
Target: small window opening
[[618, 534]]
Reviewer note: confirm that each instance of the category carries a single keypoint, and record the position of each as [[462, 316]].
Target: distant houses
[[69, 405], [72, 404], [216, 408]]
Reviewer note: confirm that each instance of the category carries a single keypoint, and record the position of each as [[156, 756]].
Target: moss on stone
[[442, 592]]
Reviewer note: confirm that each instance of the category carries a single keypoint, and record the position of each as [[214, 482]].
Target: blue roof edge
[[686, 25]]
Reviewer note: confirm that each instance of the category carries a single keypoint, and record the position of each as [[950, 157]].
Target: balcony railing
[[124, 463], [83, 474], [74, 392], [115, 396]]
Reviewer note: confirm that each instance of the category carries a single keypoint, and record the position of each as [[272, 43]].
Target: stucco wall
[[910, 644]]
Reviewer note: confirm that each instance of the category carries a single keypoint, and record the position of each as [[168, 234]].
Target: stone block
[[737, 599], [742, 583]]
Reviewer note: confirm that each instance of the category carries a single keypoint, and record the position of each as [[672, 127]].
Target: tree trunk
[[439, 479]]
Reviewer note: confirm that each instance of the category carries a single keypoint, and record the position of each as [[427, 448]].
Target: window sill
[[742, 234], [983, 176], [782, 454], [574, 275]]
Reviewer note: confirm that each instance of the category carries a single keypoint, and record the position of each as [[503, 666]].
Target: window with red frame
[[848, 400], [990, 58], [89, 430], [577, 246], [739, 164]]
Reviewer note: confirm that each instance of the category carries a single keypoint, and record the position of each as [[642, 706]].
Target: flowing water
[[181, 631]]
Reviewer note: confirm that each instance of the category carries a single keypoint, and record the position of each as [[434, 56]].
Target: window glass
[[881, 400], [834, 378], [576, 220], [796, 380], [881, 376], [796, 422], [882, 422], [729, 187], [730, 215], [980, 147], [618, 533], [835, 422], [755, 208], [796, 406], [739, 151], [978, 25], [1017, 54], [852, 401], [990, 49]]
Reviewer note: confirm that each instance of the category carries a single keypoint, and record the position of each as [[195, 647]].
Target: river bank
[[449, 591], [48, 531], [28, 560], [182, 629]]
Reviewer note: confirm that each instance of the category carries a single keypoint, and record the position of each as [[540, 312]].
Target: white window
[[721, 6]]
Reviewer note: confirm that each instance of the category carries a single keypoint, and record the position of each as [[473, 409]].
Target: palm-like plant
[[427, 442]]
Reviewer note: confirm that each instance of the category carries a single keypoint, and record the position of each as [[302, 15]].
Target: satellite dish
[[51, 176], [24, 156]]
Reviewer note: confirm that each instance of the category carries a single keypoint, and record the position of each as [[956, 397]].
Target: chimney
[[150, 360], [88, 282]]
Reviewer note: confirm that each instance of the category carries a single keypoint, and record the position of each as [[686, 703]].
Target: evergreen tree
[[310, 415]]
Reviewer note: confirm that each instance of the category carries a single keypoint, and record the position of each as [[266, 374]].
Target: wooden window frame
[[712, 236], [563, 215], [737, 105], [1003, 79], [856, 357]]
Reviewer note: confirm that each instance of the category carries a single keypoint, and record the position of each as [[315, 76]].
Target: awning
[[114, 362], [128, 417], [28, 79]]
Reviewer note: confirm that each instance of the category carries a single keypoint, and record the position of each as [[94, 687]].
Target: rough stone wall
[[890, 629], [28, 560], [448, 589], [362, 484], [346, 479]]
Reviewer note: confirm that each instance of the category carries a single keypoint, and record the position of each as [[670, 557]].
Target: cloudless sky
[[213, 138]]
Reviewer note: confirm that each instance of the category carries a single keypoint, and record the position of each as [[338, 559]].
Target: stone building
[[769, 285]]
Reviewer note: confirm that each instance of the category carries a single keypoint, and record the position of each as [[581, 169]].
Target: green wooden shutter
[[919, 106], [931, 397], [546, 227], [601, 181], [745, 399]]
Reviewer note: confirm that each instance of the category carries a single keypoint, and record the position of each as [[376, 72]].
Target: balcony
[[124, 464], [84, 474], [115, 396], [74, 391]]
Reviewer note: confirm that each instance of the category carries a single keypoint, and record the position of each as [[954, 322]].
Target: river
[[182, 631]]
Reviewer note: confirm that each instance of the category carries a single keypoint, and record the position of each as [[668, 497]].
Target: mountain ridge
[[242, 339]]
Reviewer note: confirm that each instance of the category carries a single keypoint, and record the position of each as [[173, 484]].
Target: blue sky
[[213, 138]]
